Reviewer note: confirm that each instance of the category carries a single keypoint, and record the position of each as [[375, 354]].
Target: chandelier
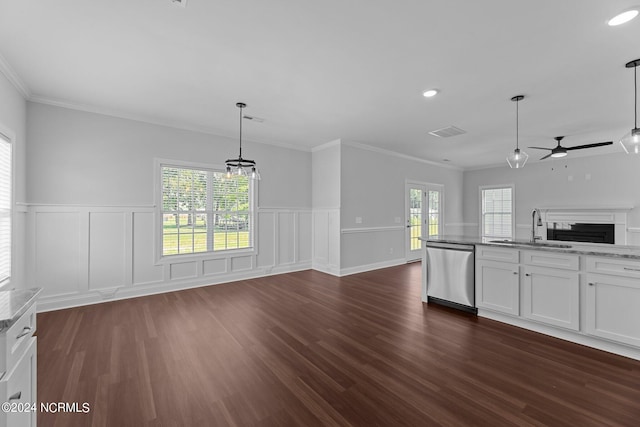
[[240, 166]]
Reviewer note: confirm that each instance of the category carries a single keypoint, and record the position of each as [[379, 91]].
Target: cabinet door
[[19, 387], [497, 286], [612, 308], [552, 296]]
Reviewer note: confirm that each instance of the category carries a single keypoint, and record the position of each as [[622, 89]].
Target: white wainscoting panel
[[303, 234], [326, 240], [183, 270], [107, 250], [287, 237], [214, 266], [266, 239], [145, 269], [241, 263], [87, 254], [57, 248]]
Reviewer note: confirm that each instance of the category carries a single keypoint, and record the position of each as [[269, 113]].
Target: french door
[[424, 215]]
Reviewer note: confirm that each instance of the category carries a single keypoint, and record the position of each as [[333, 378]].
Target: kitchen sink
[[534, 244]]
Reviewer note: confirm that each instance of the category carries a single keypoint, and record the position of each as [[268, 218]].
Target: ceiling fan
[[560, 151]]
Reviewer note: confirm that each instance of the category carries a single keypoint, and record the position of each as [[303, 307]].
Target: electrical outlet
[[358, 220], [397, 220], [390, 251]]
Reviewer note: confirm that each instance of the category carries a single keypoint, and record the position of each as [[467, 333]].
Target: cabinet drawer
[[15, 340], [19, 387], [616, 266], [551, 259], [492, 253]]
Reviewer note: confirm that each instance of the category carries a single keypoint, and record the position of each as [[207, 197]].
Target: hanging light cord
[[635, 95], [517, 124], [240, 133]]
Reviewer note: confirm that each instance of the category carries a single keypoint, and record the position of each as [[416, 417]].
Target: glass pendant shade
[[631, 141], [517, 159]]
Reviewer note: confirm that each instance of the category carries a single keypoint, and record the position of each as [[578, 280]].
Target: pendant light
[[240, 166], [631, 141], [518, 158]]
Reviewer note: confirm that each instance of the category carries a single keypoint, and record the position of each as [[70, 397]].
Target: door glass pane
[[434, 213], [415, 217]]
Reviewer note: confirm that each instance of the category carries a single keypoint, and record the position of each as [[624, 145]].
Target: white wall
[[13, 121], [90, 188], [326, 207], [373, 188], [594, 181]]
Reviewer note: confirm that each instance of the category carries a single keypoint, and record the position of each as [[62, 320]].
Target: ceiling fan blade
[[597, 144], [542, 148], [548, 155]]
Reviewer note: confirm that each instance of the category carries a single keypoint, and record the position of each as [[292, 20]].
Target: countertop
[[595, 249], [14, 303]]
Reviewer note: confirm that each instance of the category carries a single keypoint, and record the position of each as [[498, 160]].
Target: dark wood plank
[[311, 349]]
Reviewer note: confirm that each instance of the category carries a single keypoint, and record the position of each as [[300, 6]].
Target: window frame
[[210, 254], [10, 138], [513, 210]]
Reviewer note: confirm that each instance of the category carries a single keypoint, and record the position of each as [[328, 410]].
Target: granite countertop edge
[[21, 299], [593, 249]]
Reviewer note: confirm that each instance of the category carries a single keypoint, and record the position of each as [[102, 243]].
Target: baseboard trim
[[60, 302], [369, 267], [575, 337]]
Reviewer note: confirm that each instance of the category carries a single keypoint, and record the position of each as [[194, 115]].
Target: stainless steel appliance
[[451, 275]]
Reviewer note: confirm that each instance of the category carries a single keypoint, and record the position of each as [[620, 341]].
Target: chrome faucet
[[533, 224]]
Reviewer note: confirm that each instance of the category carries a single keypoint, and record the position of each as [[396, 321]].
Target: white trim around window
[[7, 139], [503, 193], [208, 214]]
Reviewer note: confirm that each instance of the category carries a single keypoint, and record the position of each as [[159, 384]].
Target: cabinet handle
[[591, 284], [515, 272], [25, 331], [15, 396], [631, 269], [527, 274]]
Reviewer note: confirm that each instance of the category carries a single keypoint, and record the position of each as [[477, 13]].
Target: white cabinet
[[497, 282], [18, 363], [551, 288], [19, 389], [551, 296], [613, 300]]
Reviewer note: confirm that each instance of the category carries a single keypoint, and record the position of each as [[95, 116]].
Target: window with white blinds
[[203, 211], [5, 208], [497, 212]]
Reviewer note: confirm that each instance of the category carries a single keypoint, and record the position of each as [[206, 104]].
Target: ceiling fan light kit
[[240, 166], [631, 140], [517, 158]]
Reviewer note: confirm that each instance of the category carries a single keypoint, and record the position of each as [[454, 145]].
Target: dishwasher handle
[[451, 246]]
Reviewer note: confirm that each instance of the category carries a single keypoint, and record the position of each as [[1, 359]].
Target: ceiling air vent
[[447, 132]]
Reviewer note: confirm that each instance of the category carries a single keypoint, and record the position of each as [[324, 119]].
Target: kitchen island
[[580, 292]]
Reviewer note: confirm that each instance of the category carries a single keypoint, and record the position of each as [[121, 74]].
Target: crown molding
[[13, 78], [326, 145], [399, 155], [151, 120]]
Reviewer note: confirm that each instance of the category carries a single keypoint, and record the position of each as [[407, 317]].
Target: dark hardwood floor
[[309, 349]]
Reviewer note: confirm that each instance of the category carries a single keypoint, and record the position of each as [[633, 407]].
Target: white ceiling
[[355, 69]]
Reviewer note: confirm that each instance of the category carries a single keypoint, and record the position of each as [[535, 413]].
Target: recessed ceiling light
[[623, 17], [429, 93]]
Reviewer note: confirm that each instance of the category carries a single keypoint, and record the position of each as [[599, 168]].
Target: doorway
[[424, 215]]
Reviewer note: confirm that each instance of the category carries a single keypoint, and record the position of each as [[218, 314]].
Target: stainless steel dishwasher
[[451, 275]]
